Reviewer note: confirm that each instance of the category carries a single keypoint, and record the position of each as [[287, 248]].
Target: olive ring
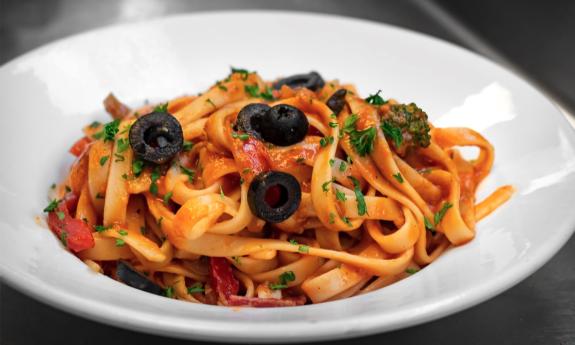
[[287, 198], [156, 137]]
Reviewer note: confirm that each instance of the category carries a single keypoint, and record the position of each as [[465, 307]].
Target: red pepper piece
[[80, 146]]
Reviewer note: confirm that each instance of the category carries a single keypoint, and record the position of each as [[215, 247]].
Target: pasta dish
[[269, 193]]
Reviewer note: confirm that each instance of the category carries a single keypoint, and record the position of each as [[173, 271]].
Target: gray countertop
[[532, 38]]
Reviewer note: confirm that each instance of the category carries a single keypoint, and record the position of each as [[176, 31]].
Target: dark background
[[534, 38]]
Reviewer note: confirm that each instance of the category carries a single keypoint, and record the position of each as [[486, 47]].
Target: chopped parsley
[[222, 196], [95, 124], [155, 176], [196, 288], [246, 171], [284, 279], [109, 132], [120, 242], [362, 141], [212, 103], [61, 215], [244, 72], [64, 238], [392, 132], [188, 145], [302, 247], [361, 206], [101, 228], [333, 124], [52, 206], [137, 167], [425, 171], [103, 160], [169, 292], [122, 145], [221, 87], [122, 232], [411, 270], [242, 137], [398, 177], [331, 218], [376, 99], [331, 162], [162, 108], [167, 198], [325, 185], [339, 195], [323, 142], [428, 225], [188, 172], [342, 166], [119, 157], [346, 221], [252, 90], [441, 213], [267, 94]]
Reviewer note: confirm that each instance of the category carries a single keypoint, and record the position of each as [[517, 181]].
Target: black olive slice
[[284, 125], [311, 80], [135, 279], [336, 101], [250, 118], [156, 137], [274, 196]]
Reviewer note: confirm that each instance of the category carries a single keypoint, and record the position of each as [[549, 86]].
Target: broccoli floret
[[406, 126]]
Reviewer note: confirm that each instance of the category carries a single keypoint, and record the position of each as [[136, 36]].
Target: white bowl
[[48, 94]]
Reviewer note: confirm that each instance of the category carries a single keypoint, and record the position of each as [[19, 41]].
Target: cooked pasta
[[269, 194]]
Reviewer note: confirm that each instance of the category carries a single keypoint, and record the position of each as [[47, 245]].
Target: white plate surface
[[48, 94]]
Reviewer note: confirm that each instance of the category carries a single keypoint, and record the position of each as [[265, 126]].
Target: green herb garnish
[[123, 145], [103, 160], [361, 206], [376, 99], [398, 177], [52, 205], [196, 288], [162, 108], [363, 140], [284, 279], [188, 145], [109, 132], [189, 172], [339, 195], [155, 176], [100, 228], [137, 167]]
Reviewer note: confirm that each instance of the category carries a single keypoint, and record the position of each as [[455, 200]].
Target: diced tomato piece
[[251, 155], [266, 302], [223, 279], [74, 233], [80, 146]]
